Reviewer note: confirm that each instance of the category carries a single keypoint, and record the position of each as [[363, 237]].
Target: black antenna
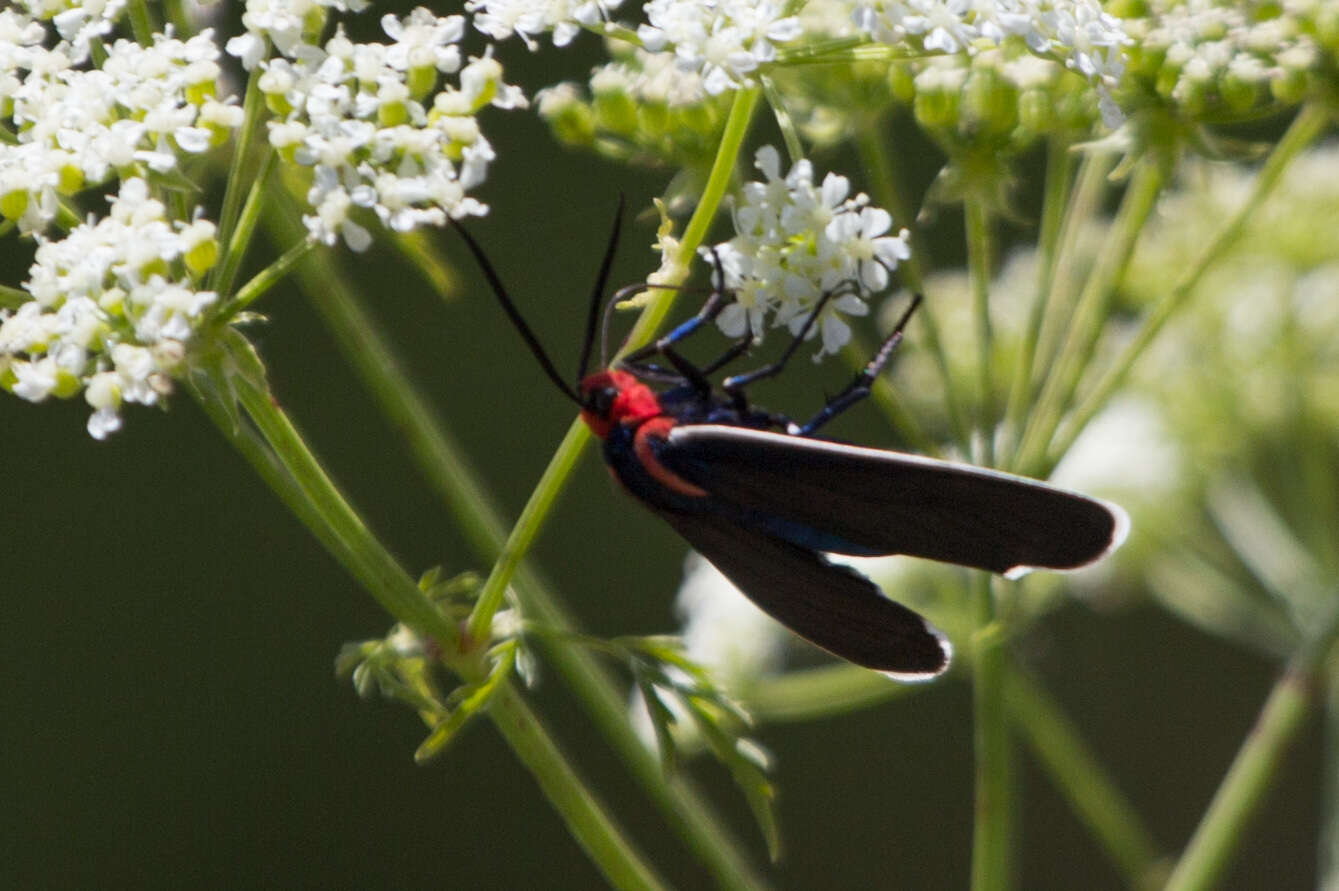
[[593, 315], [512, 313]]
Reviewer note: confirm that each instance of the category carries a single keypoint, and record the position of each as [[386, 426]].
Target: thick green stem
[[1308, 124], [1090, 316], [1079, 776], [1218, 835], [992, 828], [396, 591]]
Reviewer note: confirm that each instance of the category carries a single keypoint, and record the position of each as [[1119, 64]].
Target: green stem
[[12, 298], [1243, 789], [808, 694], [1308, 124], [1080, 778], [584, 814], [244, 230], [396, 591], [1329, 809], [447, 470], [555, 475], [252, 107], [1059, 169], [1090, 315], [992, 829], [790, 135], [1081, 212], [886, 398], [142, 25], [267, 278], [877, 158], [980, 253]]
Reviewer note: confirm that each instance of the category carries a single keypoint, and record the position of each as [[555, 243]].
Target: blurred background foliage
[[171, 713]]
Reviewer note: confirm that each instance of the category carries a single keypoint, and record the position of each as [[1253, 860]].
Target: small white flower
[[722, 41], [500, 19]]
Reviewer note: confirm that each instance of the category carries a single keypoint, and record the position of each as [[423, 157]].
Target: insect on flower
[[763, 498]]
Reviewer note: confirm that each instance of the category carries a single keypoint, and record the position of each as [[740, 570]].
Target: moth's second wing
[[846, 499], [832, 606]]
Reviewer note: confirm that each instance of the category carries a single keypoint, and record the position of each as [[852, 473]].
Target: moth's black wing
[[846, 499], [832, 606]]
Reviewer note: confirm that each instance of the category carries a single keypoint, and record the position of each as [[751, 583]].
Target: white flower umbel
[[378, 131], [113, 310], [798, 242], [722, 40], [142, 109], [500, 19], [1076, 32]]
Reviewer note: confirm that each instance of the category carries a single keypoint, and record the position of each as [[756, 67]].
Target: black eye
[[600, 401]]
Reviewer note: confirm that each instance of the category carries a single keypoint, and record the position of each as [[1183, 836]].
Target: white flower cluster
[[724, 41], [798, 242], [142, 107], [364, 116], [1078, 31], [1200, 48], [499, 19], [78, 22], [109, 312], [283, 23]]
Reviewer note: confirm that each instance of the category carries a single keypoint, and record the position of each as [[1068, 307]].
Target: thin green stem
[[602, 840], [1090, 315], [256, 199], [722, 169], [142, 25], [1328, 852], [1081, 779], [980, 259], [12, 298], [252, 107], [268, 277], [1304, 130], [992, 828], [527, 527], [1081, 213], [448, 471], [1243, 789], [423, 249], [555, 475], [886, 398], [1059, 170], [396, 591], [877, 158], [790, 135], [809, 694]]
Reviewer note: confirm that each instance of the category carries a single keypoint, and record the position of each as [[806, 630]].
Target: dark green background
[[170, 714]]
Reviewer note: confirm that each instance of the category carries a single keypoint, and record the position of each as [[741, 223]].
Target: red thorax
[[627, 401]]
